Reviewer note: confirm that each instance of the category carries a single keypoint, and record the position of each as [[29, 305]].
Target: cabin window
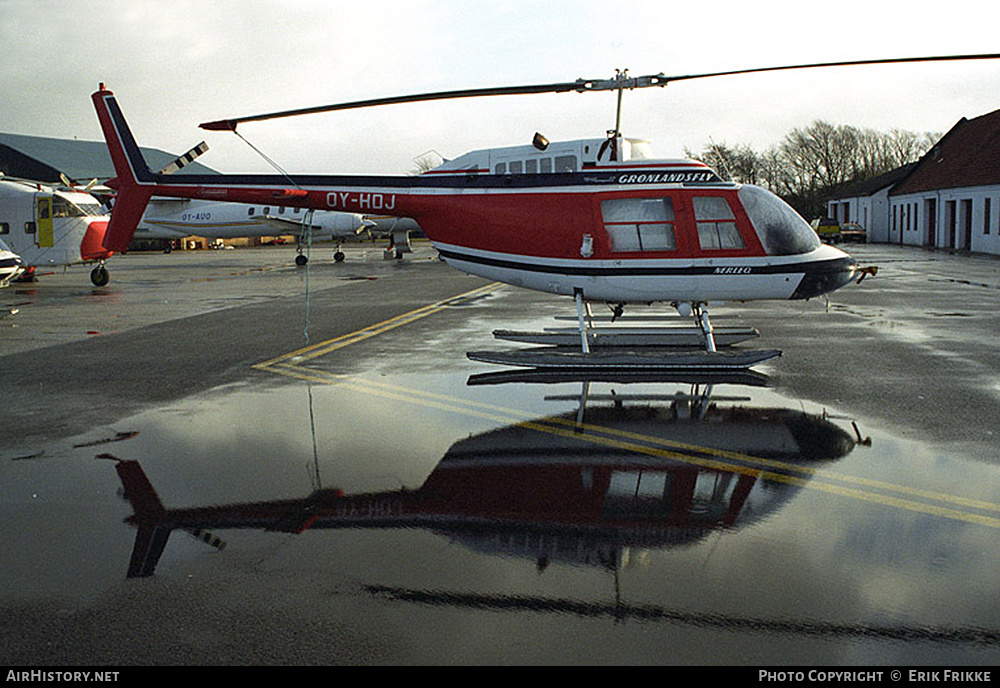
[[565, 163], [501, 168], [716, 224], [637, 493], [29, 227], [639, 224], [251, 211], [4, 228]]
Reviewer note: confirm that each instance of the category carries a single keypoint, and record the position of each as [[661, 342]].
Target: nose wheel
[[100, 276]]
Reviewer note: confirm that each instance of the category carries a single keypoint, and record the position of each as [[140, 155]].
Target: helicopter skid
[[632, 337], [625, 359]]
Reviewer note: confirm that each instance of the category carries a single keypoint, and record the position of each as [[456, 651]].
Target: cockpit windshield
[[64, 207], [781, 230]]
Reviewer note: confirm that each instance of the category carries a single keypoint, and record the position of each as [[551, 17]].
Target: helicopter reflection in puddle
[[620, 475]]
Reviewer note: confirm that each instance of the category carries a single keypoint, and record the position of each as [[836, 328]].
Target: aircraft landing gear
[[301, 259], [338, 254], [702, 321], [701, 318], [99, 276]]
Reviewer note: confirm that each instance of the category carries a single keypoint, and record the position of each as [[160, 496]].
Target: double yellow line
[[308, 353], [875, 491]]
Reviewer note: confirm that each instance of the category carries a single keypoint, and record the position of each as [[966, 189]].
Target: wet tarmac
[[223, 459]]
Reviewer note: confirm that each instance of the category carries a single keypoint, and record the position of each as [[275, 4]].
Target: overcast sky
[[176, 63]]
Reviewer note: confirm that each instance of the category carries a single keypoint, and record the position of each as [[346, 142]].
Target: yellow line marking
[[290, 365], [316, 350]]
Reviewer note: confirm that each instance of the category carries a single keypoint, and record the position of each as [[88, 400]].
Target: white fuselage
[[638, 281], [169, 218], [46, 226]]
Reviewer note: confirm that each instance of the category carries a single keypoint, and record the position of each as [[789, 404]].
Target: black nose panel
[[822, 278]]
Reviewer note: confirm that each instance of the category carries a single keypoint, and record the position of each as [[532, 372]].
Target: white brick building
[[949, 199]]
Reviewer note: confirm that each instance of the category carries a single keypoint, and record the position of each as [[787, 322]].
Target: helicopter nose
[[828, 275], [92, 248]]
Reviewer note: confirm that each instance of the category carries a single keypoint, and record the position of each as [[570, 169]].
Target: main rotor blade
[[579, 85], [620, 82], [850, 63]]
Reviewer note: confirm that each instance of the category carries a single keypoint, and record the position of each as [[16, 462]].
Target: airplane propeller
[[71, 184], [620, 83]]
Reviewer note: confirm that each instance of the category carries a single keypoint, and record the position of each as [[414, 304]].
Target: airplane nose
[[92, 246]]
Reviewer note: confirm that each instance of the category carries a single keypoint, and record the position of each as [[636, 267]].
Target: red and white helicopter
[[592, 219]]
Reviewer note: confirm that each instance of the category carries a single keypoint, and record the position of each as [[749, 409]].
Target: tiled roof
[[876, 184], [968, 155]]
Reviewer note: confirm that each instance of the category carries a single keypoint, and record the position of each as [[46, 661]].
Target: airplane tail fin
[[134, 182]]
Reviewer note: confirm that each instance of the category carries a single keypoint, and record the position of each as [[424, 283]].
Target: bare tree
[[739, 163], [811, 161]]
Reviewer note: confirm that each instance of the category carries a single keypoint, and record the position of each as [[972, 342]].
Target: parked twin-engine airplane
[[594, 219], [173, 218], [48, 226]]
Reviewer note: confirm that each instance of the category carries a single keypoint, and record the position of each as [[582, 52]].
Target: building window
[[639, 224], [566, 163], [986, 215]]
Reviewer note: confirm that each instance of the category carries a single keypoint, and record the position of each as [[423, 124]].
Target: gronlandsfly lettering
[[667, 178]]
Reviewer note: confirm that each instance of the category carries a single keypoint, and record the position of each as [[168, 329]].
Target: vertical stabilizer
[[134, 182]]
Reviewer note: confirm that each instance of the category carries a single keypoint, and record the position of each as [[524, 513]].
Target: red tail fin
[[134, 183]]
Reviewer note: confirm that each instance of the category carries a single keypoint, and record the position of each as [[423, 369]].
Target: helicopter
[[594, 219]]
